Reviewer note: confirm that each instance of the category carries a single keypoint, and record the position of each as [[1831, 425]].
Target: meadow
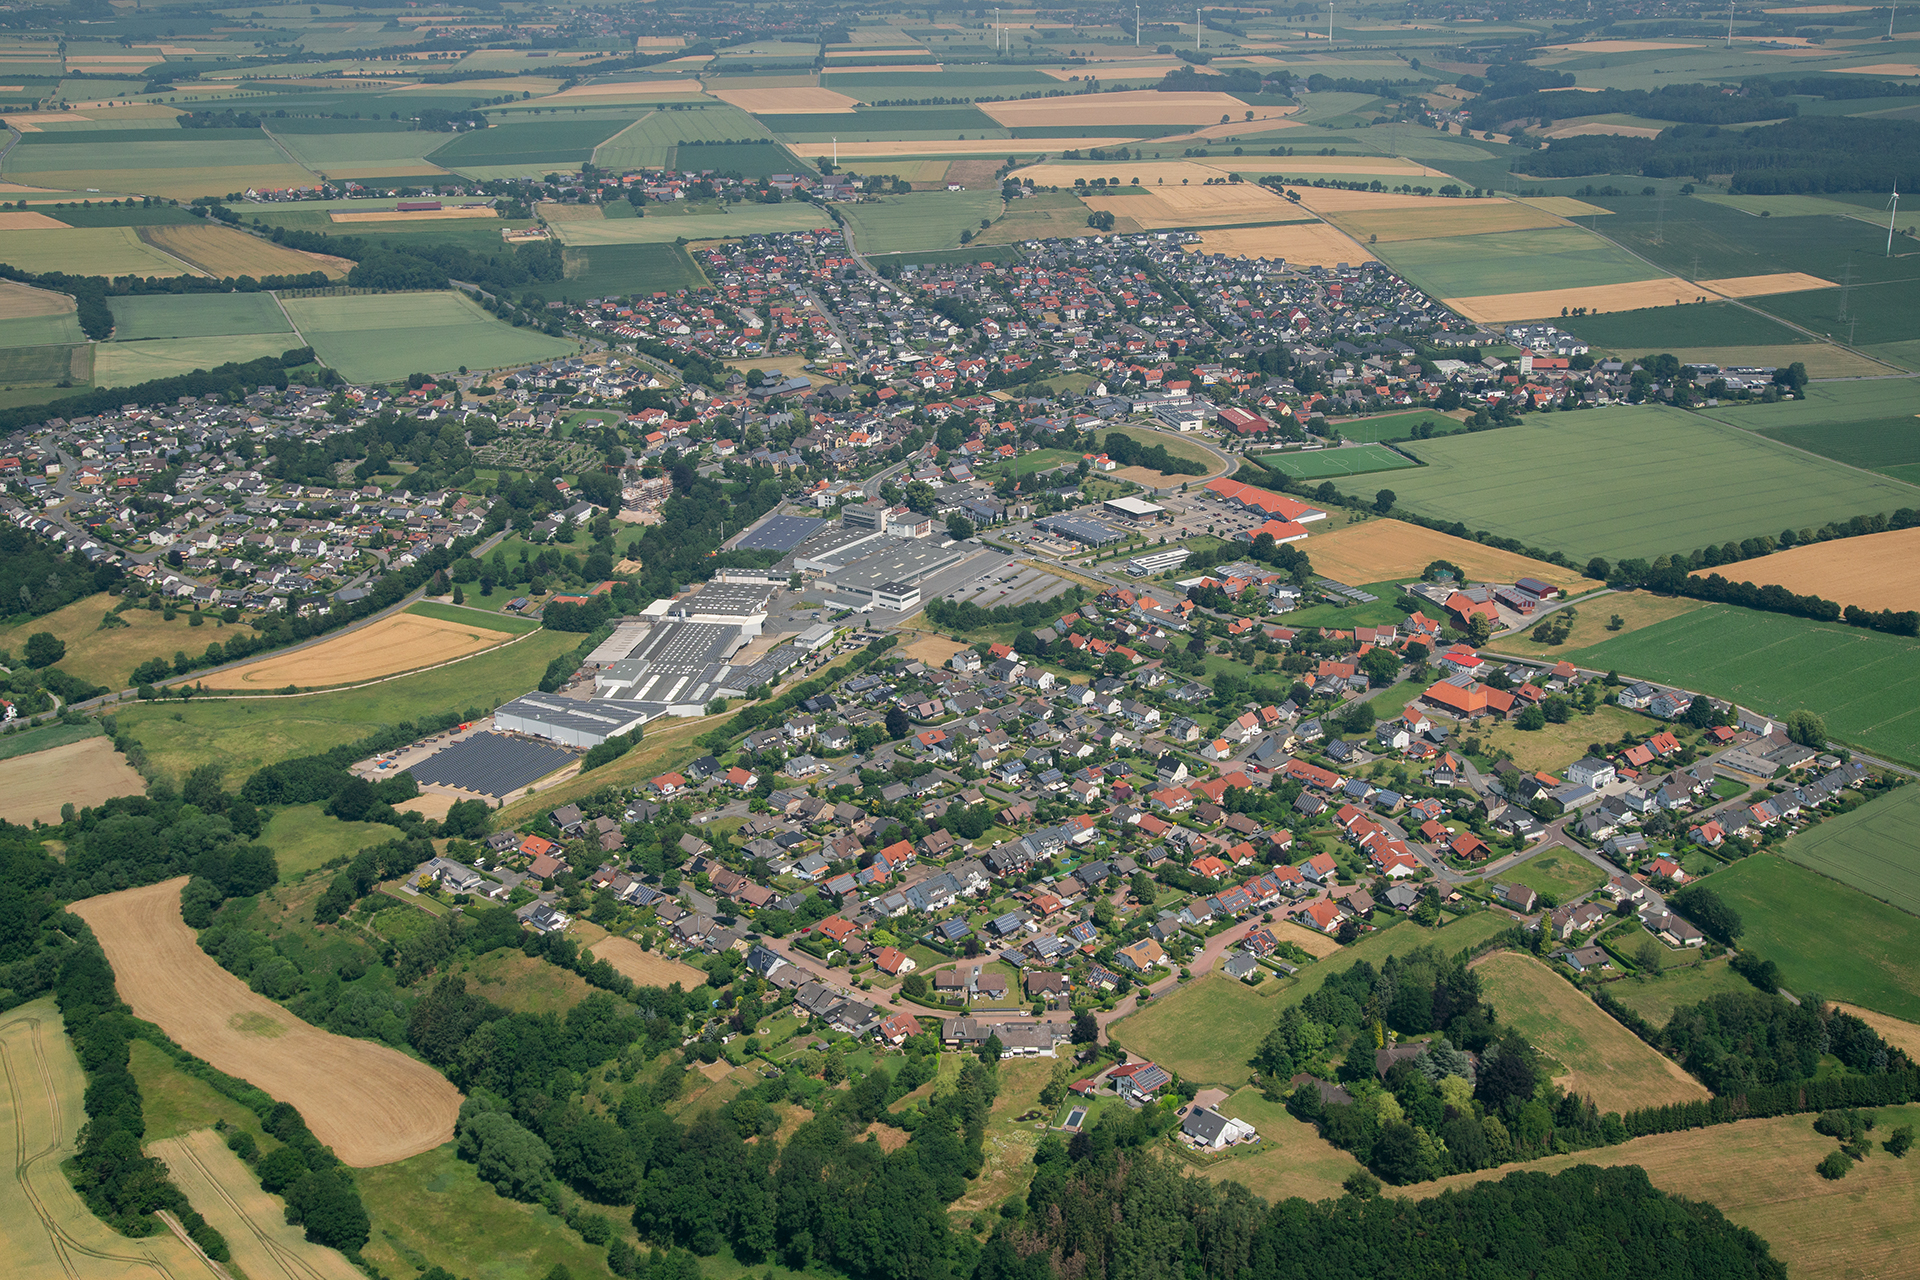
[[108, 655], [1866, 684], [1624, 483], [1292, 1159], [1335, 464], [304, 838], [1595, 1056], [713, 222], [1676, 986], [381, 337], [125, 364], [1512, 262], [1558, 872], [924, 220], [1593, 621], [1555, 746], [558, 144], [197, 315], [1871, 848]]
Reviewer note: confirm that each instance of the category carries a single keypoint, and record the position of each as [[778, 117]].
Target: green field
[[39, 364], [86, 251], [1327, 464], [1626, 482], [472, 617], [1512, 262], [1395, 426], [129, 215], [305, 838], [1656, 329], [924, 220], [1865, 683], [196, 315], [126, 364], [717, 222], [748, 159], [1558, 872], [375, 338], [1868, 424], [907, 124], [1826, 937], [558, 143], [1655, 999], [649, 141], [26, 742], [145, 149], [242, 734], [324, 151], [1873, 848]]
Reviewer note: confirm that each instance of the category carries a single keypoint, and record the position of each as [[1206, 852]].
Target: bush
[[1835, 1166]]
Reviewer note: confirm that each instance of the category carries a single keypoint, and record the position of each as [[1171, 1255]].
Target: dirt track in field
[[371, 1104]]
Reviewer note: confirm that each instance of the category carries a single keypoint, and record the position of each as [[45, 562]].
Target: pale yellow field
[[1566, 206], [931, 649], [1384, 550], [1759, 286], [224, 252], [648, 968], [1596, 128], [1823, 359], [14, 220], [227, 1195], [83, 774], [46, 1230], [175, 184], [554, 211], [420, 215], [1884, 69], [23, 302], [1307, 244], [1500, 307], [1194, 206], [1453, 218], [1331, 200], [1152, 173], [658, 43], [1264, 119], [1311, 941], [429, 804], [1877, 571], [684, 88], [1330, 166], [402, 642], [892, 69], [1143, 107], [371, 1104], [958, 147], [813, 101]]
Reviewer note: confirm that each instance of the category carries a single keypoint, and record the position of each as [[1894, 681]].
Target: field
[[1759, 286], [1636, 609], [1677, 986], [1557, 871], [1146, 108], [1301, 244], [304, 838], [1793, 915], [451, 213], [1760, 1173], [1863, 424], [794, 101], [517, 981], [49, 1232], [1311, 941], [1871, 848], [380, 337], [1865, 683], [924, 220], [1292, 1159], [1878, 571], [98, 251], [34, 787], [1446, 217], [24, 302], [197, 315], [1336, 464], [650, 140], [223, 252], [1629, 487], [371, 1104], [401, 642], [241, 734], [1598, 1058], [109, 656], [1563, 258], [1658, 329], [1556, 746], [716, 222], [1385, 550], [1536, 304], [555, 144], [229, 1197], [123, 364], [647, 968], [628, 268], [1191, 206]]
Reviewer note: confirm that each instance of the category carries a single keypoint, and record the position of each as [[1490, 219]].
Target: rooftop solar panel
[[781, 533]]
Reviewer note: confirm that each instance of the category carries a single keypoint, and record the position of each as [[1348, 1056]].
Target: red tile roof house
[[897, 1029], [837, 928], [1323, 914], [545, 865], [893, 961], [668, 784]]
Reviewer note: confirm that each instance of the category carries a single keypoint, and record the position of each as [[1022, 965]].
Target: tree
[[1054, 1092], [44, 649], [1703, 906], [898, 725], [1359, 717], [1900, 1141], [959, 528], [1807, 729], [1835, 1166], [1531, 719], [1598, 569], [1701, 713], [1383, 501], [1382, 666], [1086, 1027]]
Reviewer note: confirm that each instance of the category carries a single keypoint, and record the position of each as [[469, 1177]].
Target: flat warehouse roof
[[1135, 507], [492, 764], [728, 598], [688, 648], [902, 562], [779, 533]]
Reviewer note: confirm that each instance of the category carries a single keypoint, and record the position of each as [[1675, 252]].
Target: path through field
[[371, 1104], [227, 1195]]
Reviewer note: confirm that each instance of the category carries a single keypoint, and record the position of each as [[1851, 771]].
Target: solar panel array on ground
[[781, 533], [1351, 593], [491, 764]]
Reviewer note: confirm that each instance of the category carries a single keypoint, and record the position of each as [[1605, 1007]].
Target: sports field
[[376, 338], [371, 1104], [1624, 482], [1872, 848], [228, 1195], [403, 642], [648, 968], [49, 1232], [1386, 550], [924, 220], [223, 252], [197, 315], [87, 251], [34, 787], [1865, 683], [1336, 464], [1878, 571], [125, 364], [1596, 1056]]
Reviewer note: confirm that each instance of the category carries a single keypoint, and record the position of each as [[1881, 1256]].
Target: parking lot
[[1009, 583]]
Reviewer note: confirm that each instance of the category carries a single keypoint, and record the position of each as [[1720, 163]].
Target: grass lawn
[[1389, 703], [1291, 1158], [1206, 1030], [242, 734], [487, 618], [1334, 464], [1558, 745], [923, 220], [1865, 683], [1627, 483], [305, 838], [1598, 1058], [1872, 848], [1557, 871], [1826, 937], [1635, 609], [1655, 999], [1395, 426], [1171, 442]]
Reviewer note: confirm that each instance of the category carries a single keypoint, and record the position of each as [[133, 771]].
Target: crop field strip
[[223, 252], [371, 1104], [202, 315], [402, 642], [1389, 550], [1872, 848], [374, 337], [125, 364], [1877, 571], [735, 221], [34, 787], [227, 1195], [114, 251]]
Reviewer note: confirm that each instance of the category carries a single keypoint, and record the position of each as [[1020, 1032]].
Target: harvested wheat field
[[224, 253], [1450, 218], [1567, 206], [1616, 46], [14, 220], [24, 302], [554, 211], [1760, 286], [402, 642], [796, 101], [647, 968], [1877, 571], [1498, 308], [1884, 69], [371, 1104], [1133, 107], [226, 1194], [1331, 166], [1330, 200], [1305, 244], [686, 88], [417, 215], [1193, 206], [1760, 1173], [1153, 174], [1599, 1059], [85, 773], [1388, 550], [1265, 121]]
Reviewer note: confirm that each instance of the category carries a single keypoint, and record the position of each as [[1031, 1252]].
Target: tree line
[[230, 382], [1804, 154], [1128, 452]]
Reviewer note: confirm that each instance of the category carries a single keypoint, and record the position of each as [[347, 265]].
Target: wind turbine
[[1730, 4], [1893, 211]]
